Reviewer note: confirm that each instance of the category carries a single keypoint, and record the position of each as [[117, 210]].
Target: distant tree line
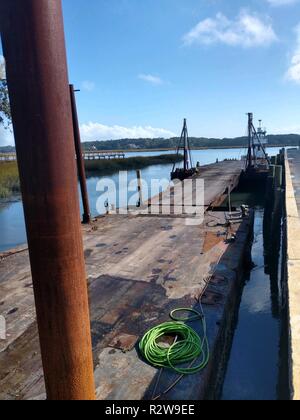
[[7, 149], [207, 143], [289, 140]]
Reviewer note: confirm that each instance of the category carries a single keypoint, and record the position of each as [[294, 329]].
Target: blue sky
[[144, 65]]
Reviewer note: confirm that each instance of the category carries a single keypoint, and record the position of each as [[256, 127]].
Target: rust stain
[[111, 317], [211, 240], [124, 342]]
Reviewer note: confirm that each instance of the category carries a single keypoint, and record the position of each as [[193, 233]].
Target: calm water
[[256, 369], [12, 228]]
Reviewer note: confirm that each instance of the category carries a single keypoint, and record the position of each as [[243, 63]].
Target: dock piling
[[86, 218], [34, 48], [140, 187]]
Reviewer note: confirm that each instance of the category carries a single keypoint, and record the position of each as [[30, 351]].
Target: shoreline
[[16, 198], [167, 149], [93, 168], [174, 149], [111, 166]]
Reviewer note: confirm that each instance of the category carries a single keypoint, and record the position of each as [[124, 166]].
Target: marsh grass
[[9, 176], [9, 179], [106, 167]]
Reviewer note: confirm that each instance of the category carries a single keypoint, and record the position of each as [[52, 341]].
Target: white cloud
[[6, 137], [154, 80], [293, 73], [247, 30], [95, 131], [281, 2], [88, 85]]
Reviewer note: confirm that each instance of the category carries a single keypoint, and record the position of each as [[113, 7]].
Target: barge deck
[[139, 269]]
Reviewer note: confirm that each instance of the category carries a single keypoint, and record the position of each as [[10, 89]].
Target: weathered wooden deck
[[139, 269]]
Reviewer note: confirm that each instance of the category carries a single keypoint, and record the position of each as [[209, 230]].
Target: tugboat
[[188, 170]]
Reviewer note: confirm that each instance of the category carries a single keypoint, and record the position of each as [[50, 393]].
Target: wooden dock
[[96, 155], [8, 157], [139, 269], [93, 155]]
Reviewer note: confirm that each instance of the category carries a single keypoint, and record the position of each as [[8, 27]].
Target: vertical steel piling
[[86, 218], [140, 186], [34, 49]]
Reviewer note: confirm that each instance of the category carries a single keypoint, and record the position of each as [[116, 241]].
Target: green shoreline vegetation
[[9, 179], [288, 140], [9, 176], [109, 166]]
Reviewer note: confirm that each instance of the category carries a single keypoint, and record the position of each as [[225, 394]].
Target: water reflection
[[12, 226], [272, 246], [257, 368]]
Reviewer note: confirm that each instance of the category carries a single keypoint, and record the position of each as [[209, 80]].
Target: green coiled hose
[[188, 346]]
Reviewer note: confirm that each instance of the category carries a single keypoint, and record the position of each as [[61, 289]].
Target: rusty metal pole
[[34, 49], [249, 156], [86, 218]]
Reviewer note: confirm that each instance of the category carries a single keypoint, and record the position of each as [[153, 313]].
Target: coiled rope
[[187, 347]]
